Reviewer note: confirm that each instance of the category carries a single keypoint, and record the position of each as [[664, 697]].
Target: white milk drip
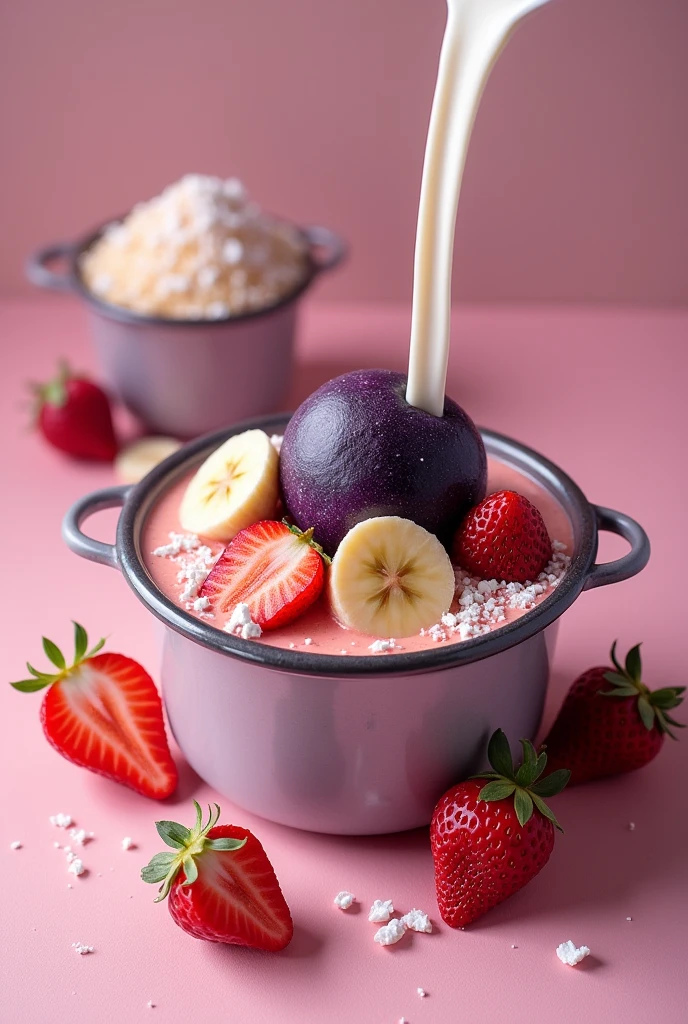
[[475, 34]]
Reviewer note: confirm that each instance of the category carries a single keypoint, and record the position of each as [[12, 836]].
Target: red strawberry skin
[[482, 854], [503, 538], [106, 715], [598, 736], [76, 418], [236, 897], [269, 568]]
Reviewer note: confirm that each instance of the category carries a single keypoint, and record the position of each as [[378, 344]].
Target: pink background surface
[[600, 393], [575, 188]]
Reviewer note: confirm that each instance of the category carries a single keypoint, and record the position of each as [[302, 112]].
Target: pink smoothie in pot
[[178, 563]]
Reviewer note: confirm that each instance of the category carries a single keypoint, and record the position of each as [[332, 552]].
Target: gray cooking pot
[[355, 744], [187, 377]]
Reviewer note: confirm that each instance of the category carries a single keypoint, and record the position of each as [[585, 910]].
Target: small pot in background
[[188, 377]]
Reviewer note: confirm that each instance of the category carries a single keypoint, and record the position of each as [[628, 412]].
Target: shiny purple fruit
[[356, 449]]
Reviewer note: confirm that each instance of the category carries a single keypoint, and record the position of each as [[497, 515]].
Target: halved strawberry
[[221, 885], [272, 567], [104, 713]]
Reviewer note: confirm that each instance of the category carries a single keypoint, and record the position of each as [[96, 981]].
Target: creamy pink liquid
[[317, 625]]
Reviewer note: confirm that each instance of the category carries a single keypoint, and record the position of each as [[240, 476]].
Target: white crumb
[[80, 835], [292, 646], [56, 845], [69, 885], [482, 604], [569, 954], [390, 933], [241, 624], [417, 921], [308, 641], [344, 899], [631, 826], [514, 947], [379, 646], [76, 866], [381, 910], [16, 845], [201, 604], [128, 843], [629, 918], [150, 1004], [81, 948], [421, 992], [61, 820]]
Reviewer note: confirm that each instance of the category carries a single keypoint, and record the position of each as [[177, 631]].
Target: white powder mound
[[417, 921], [81, 948], [200, 250], [482, 603], [390, 933], [344, 899], [381, 646], [195, 560], [381, 910], [569, 954]]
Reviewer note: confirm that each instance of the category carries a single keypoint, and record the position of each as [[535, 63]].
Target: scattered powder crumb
[[308, 641], [276, 441], [382, 910], [76, 866], [631, 826], [344, 651], [569, 954], [80, 835], [81, 948], [421, 992], [514, 947], [344, 899], [69, 885], [292, 646], [629, 918], [150, 1004], [390, 933], [16, 845], [195, 560], [379, 646], [241, 624], [417, 921], [61, 820], [56, 845], [128, 843], [482, 604]]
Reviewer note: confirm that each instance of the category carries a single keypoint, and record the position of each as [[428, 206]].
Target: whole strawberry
[[73, 414], [503, 538], [489, 840], [611, 722], [104, 713], [220, 883]]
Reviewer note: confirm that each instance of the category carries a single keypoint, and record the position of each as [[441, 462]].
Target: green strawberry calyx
[[40, 680], [187, 843], [53, 392], [307, 537], [524, 783], [653, 705]]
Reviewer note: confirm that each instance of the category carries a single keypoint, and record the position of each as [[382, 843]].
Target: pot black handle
[[39, 273], [629, 564], [327, 248], [76, 540]]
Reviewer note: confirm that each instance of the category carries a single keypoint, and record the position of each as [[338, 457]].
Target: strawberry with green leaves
[[611, 722], [104, 713], [220, 883], [489, 839]]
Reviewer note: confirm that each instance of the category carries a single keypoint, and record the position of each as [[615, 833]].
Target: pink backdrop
[[576, 183]]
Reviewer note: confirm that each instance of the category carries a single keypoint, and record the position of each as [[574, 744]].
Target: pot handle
[[38, 272], [629, 564], [78, 542], [327, 248]]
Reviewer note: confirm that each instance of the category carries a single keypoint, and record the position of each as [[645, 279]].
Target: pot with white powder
[[193, 300]]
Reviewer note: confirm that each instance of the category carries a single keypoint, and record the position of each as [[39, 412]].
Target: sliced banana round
[[139, 457], [390, 577], [236, 486]]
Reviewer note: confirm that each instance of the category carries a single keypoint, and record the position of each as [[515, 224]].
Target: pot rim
[[141, 497], [313, 237]]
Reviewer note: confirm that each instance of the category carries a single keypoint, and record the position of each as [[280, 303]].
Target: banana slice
[[139, 457], [236, 486], [390, 577]]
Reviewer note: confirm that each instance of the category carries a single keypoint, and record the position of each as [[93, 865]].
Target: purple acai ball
[[356, 449]]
